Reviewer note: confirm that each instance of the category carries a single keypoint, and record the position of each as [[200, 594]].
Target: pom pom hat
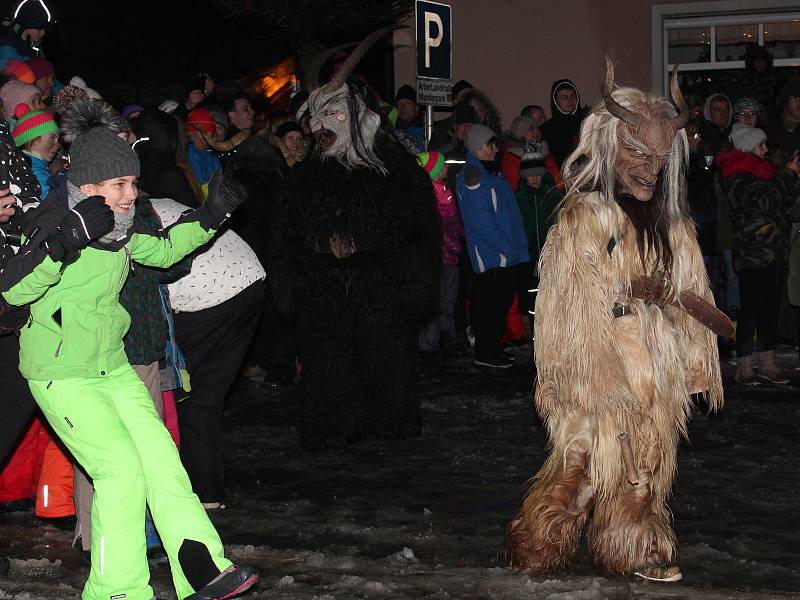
[[97, 153], [31, 124]]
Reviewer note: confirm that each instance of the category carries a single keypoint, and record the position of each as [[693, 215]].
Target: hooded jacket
[[714, 137], [157, 146], [561, 130]]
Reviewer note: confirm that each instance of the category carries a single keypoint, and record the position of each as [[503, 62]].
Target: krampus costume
[[617, 352], [356, 258]]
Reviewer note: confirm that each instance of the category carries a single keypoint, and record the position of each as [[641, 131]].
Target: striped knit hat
[[432, 162], [31, 124], [19, 71]]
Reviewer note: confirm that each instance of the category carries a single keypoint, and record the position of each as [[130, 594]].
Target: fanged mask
[[646, 136], [344, 127]]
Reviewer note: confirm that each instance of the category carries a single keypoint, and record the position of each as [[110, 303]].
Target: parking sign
[[434, 40]]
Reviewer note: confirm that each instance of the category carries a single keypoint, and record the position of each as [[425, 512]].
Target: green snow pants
[[112, 429]]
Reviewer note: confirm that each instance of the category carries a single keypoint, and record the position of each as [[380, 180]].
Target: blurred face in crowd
[[293, 139], [197, 139], [696, 113], [45, 146], [761, 150], [462, 131], [792, 109], [567, 100], [538, 116], [34, 35], [442, 176], [488, 151], [748, 116], [406, 110], [534, 181], [45, 85], [219, 132], [242, 115], [720, 111], [760, 65], [531, 134], [120, 193]]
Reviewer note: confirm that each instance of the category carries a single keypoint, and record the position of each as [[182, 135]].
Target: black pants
[[492, 296], [758, 312], [214, 342], [17, 405]]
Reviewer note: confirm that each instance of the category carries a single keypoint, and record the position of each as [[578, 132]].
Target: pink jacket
[[452, 228]]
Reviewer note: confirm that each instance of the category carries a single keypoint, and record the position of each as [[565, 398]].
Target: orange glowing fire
[[279, 77]]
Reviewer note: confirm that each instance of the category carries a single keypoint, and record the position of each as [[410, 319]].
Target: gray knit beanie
[[745, 138], [520, 125], [96, 153], [478, 135]]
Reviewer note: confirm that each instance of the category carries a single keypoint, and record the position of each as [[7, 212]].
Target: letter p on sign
[[434, 40], [430, 41]]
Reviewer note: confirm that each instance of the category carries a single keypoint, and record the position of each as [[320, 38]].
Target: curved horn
[[355, 57], [614, 107], [678, 122], [227, 145], [312, 75]]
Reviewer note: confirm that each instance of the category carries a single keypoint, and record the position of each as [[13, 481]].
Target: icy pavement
[[425, 518]]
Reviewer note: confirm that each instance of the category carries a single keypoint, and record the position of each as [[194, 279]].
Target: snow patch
[[404, 555]]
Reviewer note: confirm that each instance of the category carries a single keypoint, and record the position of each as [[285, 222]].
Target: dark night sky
[[132, 51], [150, 44]]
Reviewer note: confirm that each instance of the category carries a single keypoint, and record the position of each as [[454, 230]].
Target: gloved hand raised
[[88, 220], [225, 194]]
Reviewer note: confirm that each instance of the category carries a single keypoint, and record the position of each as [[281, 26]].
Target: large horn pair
[[347, 66], [615, 108]]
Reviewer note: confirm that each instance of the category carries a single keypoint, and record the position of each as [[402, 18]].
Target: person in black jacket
[[562, 128], [157, 147]]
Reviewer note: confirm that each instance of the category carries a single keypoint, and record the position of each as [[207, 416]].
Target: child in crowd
[[37, 134], [538, 197], [73, 357], [17, 92], [443, 327]]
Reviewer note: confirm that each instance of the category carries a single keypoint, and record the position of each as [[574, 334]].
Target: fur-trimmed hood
[[734, 162]]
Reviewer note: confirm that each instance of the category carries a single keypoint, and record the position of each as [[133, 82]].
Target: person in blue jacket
[[496, 241]]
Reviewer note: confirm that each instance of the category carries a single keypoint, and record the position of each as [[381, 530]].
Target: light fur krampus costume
[[615, 371], [356, 258]]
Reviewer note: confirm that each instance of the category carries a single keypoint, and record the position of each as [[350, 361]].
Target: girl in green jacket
[[73, 357]]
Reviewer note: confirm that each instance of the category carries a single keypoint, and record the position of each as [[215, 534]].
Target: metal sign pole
[[428, 124]]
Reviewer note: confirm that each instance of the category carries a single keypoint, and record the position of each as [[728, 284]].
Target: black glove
[[88, 220], [225, 194]]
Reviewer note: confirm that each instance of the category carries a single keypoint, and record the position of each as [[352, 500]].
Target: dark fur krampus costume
[[617, 351], [356, 258]]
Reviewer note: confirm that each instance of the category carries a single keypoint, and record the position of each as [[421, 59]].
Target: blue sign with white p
[[434, 40]]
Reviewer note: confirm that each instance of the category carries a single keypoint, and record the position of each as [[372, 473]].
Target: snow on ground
[[425, 518]]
